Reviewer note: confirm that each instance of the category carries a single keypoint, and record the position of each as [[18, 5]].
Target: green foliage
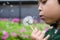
[[15, 27]]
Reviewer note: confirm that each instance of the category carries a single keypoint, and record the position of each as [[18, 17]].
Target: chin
[[49, 23]]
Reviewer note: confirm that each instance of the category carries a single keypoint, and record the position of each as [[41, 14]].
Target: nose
[[40, 9]]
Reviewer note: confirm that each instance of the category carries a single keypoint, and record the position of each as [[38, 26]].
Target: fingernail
[[36, 29], [48, 35], [44, 31]]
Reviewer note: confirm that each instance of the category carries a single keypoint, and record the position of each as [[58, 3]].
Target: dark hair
[[59, 1]]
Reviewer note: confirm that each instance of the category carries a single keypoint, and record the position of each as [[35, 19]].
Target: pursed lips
[[42, 17]]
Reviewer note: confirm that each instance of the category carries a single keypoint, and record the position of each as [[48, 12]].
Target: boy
[[49, 11]]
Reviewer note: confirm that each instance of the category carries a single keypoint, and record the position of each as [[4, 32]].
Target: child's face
[[49, 10]]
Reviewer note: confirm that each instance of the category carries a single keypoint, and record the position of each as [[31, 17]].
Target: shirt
[[54, 34]]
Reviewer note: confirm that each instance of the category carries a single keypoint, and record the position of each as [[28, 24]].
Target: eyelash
[[44, 2]]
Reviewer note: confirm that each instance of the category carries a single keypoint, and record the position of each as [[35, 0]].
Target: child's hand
[[38, 35]]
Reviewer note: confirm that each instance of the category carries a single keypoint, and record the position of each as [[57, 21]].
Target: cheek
[[51, 11]]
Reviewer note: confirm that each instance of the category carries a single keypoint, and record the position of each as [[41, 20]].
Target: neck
[[56, 25]]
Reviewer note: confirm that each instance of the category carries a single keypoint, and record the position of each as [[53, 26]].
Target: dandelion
[[27, 20]]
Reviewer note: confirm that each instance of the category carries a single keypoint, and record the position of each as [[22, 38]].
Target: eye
[[44, 1]]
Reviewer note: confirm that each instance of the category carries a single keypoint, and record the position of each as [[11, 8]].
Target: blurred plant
[[14, 31], [5, 35], [13, 34], [3, 19], [15, 20]]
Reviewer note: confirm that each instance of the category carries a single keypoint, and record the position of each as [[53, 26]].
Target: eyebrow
[[39, 0]]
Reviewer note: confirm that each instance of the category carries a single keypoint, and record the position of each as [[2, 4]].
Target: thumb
[[46, 38]]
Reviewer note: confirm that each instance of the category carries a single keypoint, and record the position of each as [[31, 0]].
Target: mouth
[[42, 17]]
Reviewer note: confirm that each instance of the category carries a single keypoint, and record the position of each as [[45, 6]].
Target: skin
[[49, 11]]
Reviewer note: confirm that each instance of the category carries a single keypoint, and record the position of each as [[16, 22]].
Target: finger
[[38, 33], [46, 38], [35, 30], [42, 35], [33, 35]]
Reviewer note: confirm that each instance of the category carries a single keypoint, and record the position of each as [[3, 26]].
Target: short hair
[[59, 1]]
